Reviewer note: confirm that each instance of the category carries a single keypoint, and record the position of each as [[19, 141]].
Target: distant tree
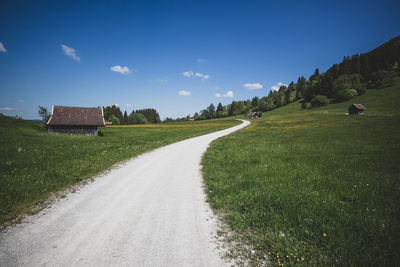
[[114, 119], [43, 113], [266, 104], [196, 115], [288, 98], [136, 118], [211, 112], [254, 101], [292, 87], [300, 87], [125, 117], [319, 100], [304, 104], [151, 115], [232, 108], [315, 76], [345, 94], [167, 119], [204, 115], [220, 110]]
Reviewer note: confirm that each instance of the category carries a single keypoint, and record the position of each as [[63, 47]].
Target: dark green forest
[[142, 116]]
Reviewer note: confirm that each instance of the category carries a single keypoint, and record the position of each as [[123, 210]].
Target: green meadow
[[34, 164], [312, 187]]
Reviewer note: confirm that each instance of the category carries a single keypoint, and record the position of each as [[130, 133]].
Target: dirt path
[[150, 211]]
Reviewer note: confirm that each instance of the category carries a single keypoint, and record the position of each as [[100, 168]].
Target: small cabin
[[254, 115], [75, 120], [357, 109]]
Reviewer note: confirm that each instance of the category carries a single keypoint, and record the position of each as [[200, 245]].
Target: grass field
[[304, 188], [34, 164]]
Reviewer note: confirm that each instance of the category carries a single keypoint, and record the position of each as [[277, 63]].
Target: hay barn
[[75, 120], [357, 109]]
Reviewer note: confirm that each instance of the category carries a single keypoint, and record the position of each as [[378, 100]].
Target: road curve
[[150, 211]]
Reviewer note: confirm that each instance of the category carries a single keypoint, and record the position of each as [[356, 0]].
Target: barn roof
[[359, 106], [76, 116]]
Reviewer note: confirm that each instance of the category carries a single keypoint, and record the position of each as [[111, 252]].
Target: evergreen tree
[[211, 112], [125, 117], [254, 101]]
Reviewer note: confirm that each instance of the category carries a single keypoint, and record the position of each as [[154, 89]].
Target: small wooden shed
[[254, 115], [357, 109], [75, 120]]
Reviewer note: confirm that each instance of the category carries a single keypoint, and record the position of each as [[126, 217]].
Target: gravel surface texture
[[149, 211]]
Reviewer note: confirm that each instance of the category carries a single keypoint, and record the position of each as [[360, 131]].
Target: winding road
[[149, 211]]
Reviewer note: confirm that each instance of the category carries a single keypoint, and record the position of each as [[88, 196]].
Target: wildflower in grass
[[383, 225], [324, 234]]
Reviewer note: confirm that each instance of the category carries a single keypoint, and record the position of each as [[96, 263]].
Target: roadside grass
[[312, 189], [35, 164]]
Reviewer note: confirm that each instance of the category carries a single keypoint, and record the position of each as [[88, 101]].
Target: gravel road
[[149, 211]]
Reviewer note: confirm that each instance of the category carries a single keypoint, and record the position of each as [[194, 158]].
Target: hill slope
[[310, 187]]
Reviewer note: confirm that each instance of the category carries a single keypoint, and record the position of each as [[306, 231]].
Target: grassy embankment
[[34, 164], [311, 188]]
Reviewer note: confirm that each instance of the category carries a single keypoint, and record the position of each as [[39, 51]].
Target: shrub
[[114, 119], [345, 94], [319, 101]]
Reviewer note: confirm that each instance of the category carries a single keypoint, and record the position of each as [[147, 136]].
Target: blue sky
[[174, 56]]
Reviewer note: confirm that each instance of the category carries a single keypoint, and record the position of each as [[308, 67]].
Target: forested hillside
[[346, 80]]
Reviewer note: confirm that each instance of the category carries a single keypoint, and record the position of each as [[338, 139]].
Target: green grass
[[383, 101], [34, 164], [305, 188]]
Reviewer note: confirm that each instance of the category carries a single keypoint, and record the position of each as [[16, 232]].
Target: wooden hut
[[357, 109], [75, 120], [254, 115]]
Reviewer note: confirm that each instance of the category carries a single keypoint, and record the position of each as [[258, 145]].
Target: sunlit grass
[[34, 164], [312, 189]]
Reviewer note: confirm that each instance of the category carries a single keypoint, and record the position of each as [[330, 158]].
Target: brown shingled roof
[[76, 116], [359, 106]]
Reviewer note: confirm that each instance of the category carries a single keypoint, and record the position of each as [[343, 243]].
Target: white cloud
[[69, 51], [122, 70], [216, 87], [188, 73], [5, 108], [2, 48], [228, 94], [163, 81], [253, 86], [200, 60], [197, 74], [128, 105], [117, 105], [277, 86], [184, 93], [20, 101], [201, 75]]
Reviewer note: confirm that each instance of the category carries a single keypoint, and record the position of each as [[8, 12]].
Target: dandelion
[[324, 234], [383, 225], [302, 258]]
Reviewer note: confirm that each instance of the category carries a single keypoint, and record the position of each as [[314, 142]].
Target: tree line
[[141, 116]]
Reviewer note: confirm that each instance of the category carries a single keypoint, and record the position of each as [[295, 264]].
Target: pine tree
[[125, 118]]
